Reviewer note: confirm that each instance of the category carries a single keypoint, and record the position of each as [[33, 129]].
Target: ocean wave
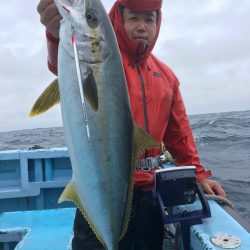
[[222, 138], [229, 120], [231, 127], [44, 137]]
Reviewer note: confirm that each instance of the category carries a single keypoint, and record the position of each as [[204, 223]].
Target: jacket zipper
[[143, 96]]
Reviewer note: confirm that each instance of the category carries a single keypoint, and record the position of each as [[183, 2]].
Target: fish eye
[[91, 18]]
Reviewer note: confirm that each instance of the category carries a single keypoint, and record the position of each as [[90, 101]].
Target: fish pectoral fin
[[142, 141], [70, 194], [90, 90], [47, 99]]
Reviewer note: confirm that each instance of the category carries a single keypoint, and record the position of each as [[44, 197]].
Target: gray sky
[[206, 43]]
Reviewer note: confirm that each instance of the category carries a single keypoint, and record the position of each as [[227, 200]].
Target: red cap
[[141, 5]]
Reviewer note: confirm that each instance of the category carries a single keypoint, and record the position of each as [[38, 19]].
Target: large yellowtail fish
[[103, 142]]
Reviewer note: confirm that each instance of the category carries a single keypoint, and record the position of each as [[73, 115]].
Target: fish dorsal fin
[[142, 141], [47, 99], [90, 90], [70, 194]]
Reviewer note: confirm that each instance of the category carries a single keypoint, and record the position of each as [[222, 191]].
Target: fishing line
[[79, 78]]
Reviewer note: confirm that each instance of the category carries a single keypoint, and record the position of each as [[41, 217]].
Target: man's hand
[[49, 16], [212, 187]]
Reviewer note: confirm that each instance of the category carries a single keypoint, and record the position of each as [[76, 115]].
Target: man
[[156, 105]]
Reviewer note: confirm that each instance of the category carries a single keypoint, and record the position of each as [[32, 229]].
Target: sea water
[[222, 139]]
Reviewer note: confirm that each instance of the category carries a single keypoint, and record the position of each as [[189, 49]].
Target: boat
[[31, 219]]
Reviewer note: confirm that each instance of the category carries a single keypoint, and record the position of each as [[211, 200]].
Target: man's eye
[[150, 20], [133, 18]]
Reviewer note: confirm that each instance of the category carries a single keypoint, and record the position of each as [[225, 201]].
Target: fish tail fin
[[70, 194], [142, 141], [46, 100]]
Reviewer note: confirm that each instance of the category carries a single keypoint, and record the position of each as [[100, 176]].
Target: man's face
[[140, 26]]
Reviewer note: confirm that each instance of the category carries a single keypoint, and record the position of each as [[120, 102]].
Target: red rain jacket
[[167, 118]]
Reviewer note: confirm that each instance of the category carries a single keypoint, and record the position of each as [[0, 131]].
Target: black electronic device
[[176, 186]]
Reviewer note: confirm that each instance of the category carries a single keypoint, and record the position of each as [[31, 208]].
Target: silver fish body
[[101, 163]]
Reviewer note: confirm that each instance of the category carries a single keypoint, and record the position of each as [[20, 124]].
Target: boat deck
[[37, 230]]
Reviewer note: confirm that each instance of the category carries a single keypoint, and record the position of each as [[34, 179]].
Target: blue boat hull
[[30, 217]]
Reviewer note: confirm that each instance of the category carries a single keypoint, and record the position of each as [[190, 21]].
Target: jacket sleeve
[[52, 46], [179, 140]]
